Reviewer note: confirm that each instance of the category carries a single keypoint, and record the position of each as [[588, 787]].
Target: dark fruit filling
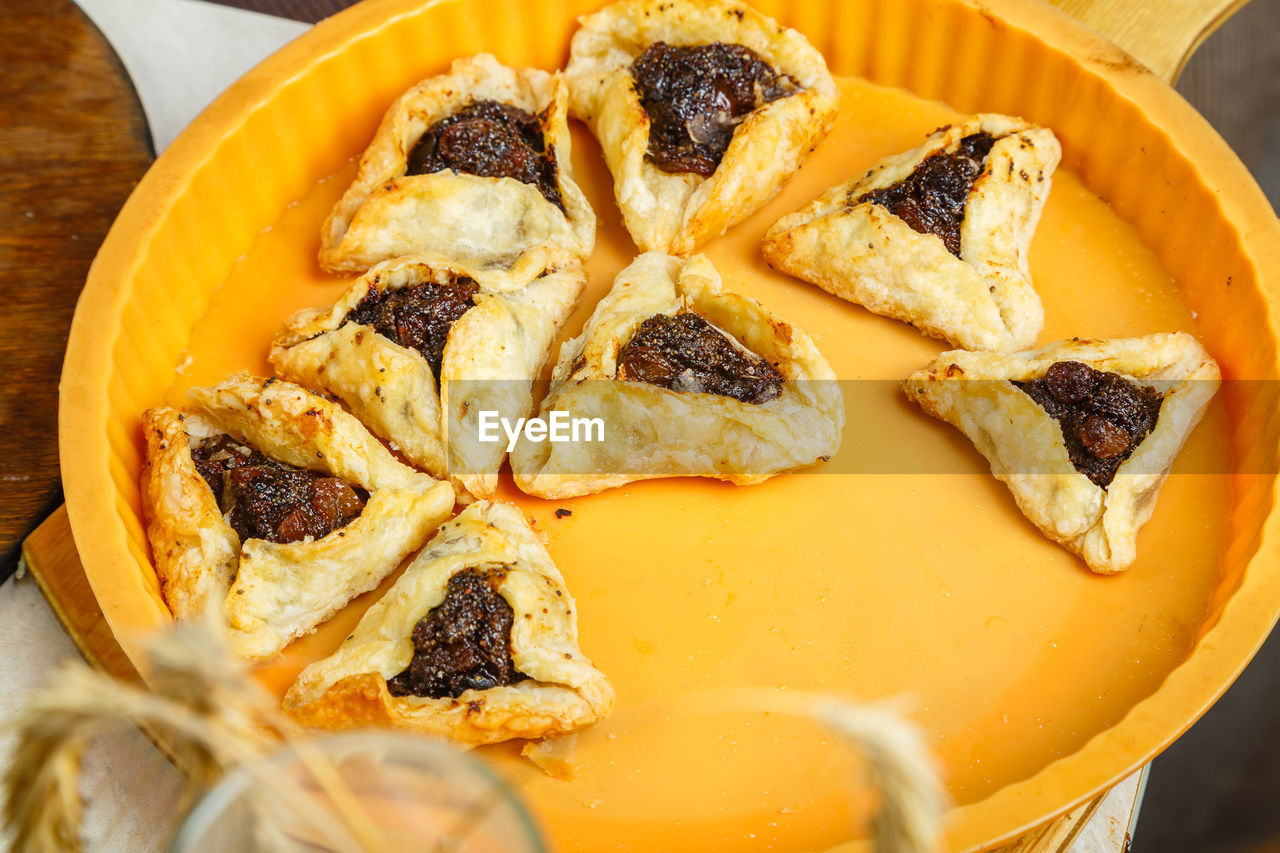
[[265, 499], [932, 198], [464, 643], [417, 317], [696, 97], [1103, 416], [491, 140], [686, 353]]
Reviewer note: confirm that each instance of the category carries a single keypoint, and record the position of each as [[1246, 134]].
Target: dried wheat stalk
[[203, 707], [898, 764], [900, 767]]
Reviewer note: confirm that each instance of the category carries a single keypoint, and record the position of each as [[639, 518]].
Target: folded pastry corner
[[703, 108], [1083, 432], [477, 641], [278, 505], [422, 347], [937, 236], [473, 164], [684, 379]]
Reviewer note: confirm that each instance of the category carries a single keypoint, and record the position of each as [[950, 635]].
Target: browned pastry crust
[[982, 298], [270, 592], [483, 220], [493, 353], [562, 692], [652, 431], [677, 212], [974, 392]]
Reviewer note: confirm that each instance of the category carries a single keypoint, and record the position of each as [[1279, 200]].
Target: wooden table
[[73, 142]]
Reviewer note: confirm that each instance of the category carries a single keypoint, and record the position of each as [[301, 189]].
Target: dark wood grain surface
[[299, 10], [73, 142]]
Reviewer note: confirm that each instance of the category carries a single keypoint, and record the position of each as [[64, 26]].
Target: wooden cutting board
[[73, 143]]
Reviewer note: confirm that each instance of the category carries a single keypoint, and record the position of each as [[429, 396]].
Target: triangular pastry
[[477, 641], [1083, 432], [420, 347], [473, 164], [685, 379], [937, 237], [277, 505], [703, 110]]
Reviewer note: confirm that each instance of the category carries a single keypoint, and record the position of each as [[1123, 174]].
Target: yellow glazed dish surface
[[901, 569]]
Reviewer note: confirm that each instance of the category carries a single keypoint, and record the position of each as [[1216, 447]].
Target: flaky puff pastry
[[272, 592], [492, 355], [651, 431], [676, 212], [983, 299], [386, 214], [1024, 444], [563, 691]]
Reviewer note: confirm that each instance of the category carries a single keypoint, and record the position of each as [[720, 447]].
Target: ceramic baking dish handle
[[1162, 36]]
